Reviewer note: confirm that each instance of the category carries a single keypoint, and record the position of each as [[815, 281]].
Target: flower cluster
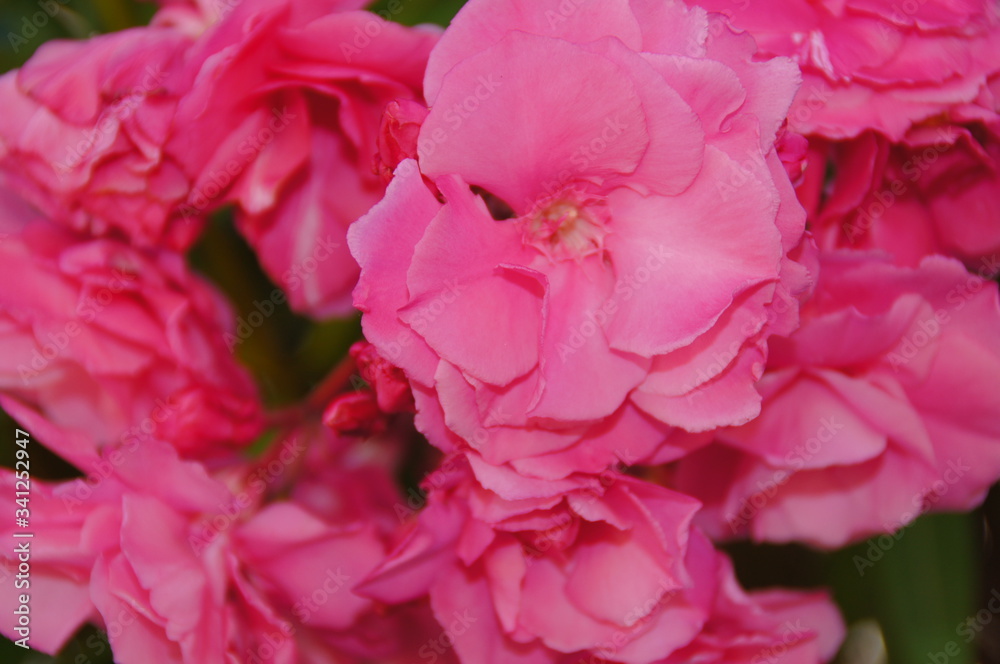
[[634, 277]]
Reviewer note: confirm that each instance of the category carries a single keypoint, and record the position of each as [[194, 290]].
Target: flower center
[[567, 226]]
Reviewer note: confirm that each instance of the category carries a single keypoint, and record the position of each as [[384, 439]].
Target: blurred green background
[[933, 577]]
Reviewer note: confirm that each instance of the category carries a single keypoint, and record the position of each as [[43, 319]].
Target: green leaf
[[414, 12], [920, 584]]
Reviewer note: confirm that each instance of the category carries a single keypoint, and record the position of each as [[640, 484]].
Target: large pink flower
[[604, 250], [522, 570], [107, 346], [937, 192], [85, 124], [282, 118], [880, 407], [881, 65]]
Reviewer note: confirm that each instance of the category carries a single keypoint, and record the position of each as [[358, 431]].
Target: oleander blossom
[[179, 565], [105, 346], [937, 192], [281, 119], [881, 407], [604, 569], [602, 253], [899, 102], [880, 65], [84, 134]]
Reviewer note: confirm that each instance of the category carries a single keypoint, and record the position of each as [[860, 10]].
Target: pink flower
[[85, 124], [348, 484], [527, 570], [224, 577], [107, 347], [178, 565], [609, 251], [79, 525], [881, 407], [900, 103], [282, 120], [938, 192], [879, 64]]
